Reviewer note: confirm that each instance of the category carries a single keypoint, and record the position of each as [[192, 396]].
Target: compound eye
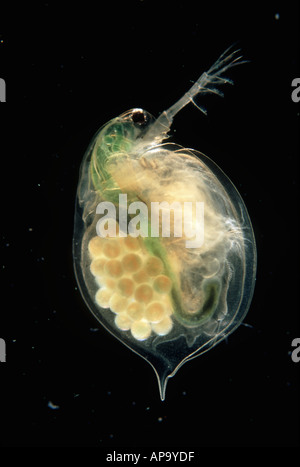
[[138, 117]]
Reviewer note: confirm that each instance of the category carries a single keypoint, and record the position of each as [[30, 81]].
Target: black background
[[68, 71]]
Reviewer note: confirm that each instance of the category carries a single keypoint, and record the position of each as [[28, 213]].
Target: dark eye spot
[[138, 117]]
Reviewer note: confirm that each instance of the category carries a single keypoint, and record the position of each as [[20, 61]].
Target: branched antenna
[[208, 82]]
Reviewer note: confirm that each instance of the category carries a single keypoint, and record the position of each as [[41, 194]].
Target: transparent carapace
[[164, 252]]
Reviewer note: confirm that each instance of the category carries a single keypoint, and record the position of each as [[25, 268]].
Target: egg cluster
[[132, 284]]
